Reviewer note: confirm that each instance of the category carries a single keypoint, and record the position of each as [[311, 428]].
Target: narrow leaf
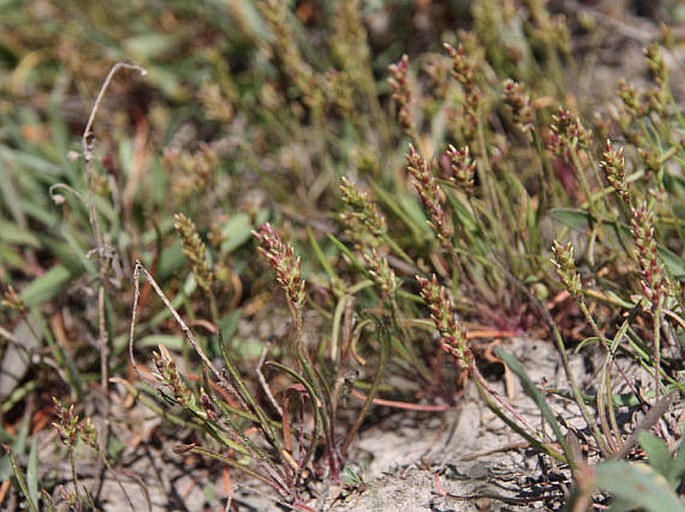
[[533, 392], [32, 471], [638, 484], [47, 286]]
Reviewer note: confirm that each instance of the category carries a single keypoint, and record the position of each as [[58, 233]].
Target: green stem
[[373, 390], [495, 408]]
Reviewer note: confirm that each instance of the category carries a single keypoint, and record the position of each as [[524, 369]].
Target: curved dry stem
[[138, 269]]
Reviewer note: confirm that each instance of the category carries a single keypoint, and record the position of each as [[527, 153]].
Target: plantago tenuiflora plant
[[286, 266], [654, 282], [454, 341], [72, 432], [226, 404]]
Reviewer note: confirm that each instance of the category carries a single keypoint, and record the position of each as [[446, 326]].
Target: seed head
[[566, 269], [285, 264], [516, 98], [654, 282], [362, 220], [401, 92], [430, 193], [614, 167], [452, 334], [567, 133], [463, 168], [195, 250]]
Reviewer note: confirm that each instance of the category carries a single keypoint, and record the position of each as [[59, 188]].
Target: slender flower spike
[[655, 62], [70, 427], [654, 282], [169, 375], [464, 72], [13, 301], [195, 250], [285, 264], [463, 168], [613, 165], [362, 215], [463, 69], [381, 272], [567, 133], [519, 102], [401, 92], [632, 100], [657, 97], [67, 423], [566, 269], [430, 193], [452, 334]]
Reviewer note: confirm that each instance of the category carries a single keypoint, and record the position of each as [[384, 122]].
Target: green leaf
[[21, 481], [533, 392], [13, 234], [673, 263], [677, 468], [150, 45], [346, 251], [229, 324], [320, 255], [47, 286], [237, 231], [637, 484], [657, 451], [28, 161], [574, 218], [418, 228], [170, 341], [11, 256], [32, 471]]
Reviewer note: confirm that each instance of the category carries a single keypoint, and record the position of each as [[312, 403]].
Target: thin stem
[[657, 348], [382, 361], [103, 254]]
